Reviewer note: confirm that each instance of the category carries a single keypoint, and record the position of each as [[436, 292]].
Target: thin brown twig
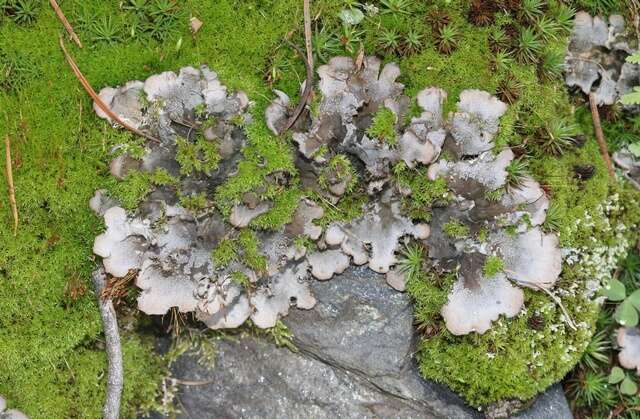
[[555, 299], [65, 22], [597, 126], [308, 64], [307, 31], [12, 189], [96, 98]]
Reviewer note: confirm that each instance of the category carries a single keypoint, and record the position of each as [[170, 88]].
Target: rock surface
[[355, 360]]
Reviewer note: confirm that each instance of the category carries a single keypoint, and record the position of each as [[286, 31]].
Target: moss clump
[[137, 185], [455, 229], [199, 156], [425, 192], [383, 126], [195, 202], [244, 248], [493, 265]]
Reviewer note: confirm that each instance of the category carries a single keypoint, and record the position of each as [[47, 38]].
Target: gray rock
[[550, 404], [354, 361]]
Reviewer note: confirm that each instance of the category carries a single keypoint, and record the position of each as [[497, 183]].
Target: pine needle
[[12, 189], [98, 101]]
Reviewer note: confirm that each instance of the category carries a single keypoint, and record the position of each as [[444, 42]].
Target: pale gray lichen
[[628, 339], [630, 165], [596, 55]]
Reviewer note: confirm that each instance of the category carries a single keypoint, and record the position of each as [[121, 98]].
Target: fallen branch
[[308, 63], [604, 150], [115, 376], [12, 189], [65, 22], [98, 101]]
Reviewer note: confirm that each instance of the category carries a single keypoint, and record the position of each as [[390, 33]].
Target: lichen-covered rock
[[356, 133], [628, 339], [596, 57]]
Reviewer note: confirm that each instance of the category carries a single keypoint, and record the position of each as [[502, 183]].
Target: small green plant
[[412, 43], [531, 9], [389, 41], [596, 352], [564, 16], [383, 126], [23, 12], [555, 215], [447, 38], [350, 38], [528, 46], [412, 260], [627, 385], [281, 336], [325, 45], [509, 89], [494, 195], [455, 229], [517, 172], [105, 29], [551, 66], [626, 313], [558, 137], [351, 16], [630, 270], [493, 265], [498, 38], [547, 27], [396, 7], [591, 389]]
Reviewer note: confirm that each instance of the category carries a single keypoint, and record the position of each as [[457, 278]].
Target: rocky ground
[[354, 361]]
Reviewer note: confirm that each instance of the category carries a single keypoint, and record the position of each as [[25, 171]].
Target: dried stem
[[12, 189], [98, 101], [308, 63], [115, 376], [555, 299], [604, 150], [307, 31], [65, 22]]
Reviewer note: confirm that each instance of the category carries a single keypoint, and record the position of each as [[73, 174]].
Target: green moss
[[224, 253], [137, 185], [493, 265], [383, 126], [455, 229], [195, 202], [46, 368], [199, 156], [424, 191]]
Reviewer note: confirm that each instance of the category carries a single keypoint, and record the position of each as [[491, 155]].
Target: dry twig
[[307, 31], [604, 150], [115, 376], [12, 189], [308, 63], [65, 22], [98, 101]]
